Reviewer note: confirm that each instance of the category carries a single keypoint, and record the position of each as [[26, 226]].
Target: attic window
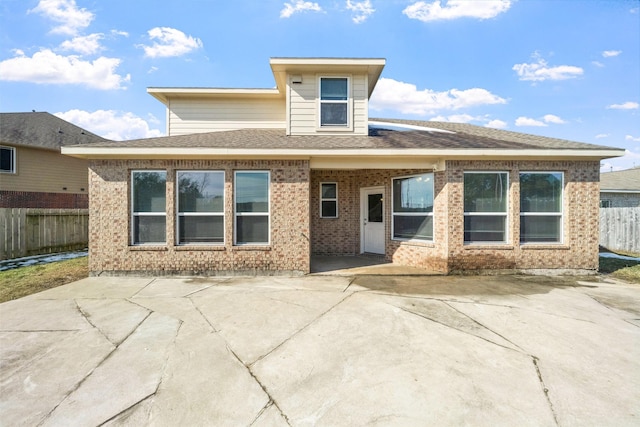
[[334, 102]]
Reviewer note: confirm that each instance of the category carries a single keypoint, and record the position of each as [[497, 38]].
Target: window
[[485, 207], [200, 207], [7, 159], [149, 218], [251, 207], [605, 203], [334, 101], [413, 207], [328, 200], [541, 207]]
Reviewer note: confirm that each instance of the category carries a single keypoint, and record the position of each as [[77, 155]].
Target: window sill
[[148, 248], [422, 244], [251, 248], [543, 246], [334, 129], [488, 246], [200, 248]]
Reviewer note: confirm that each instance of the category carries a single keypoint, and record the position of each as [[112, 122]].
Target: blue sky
[[561, 68]]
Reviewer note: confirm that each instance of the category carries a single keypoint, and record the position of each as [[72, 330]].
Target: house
[[258, 180], [620, 189], [33, 173]]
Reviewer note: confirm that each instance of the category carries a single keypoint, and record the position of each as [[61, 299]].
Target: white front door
[[372, 220]]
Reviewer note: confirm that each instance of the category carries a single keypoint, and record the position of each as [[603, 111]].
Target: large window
[[200, 207], [485, 207], [541, 207], [7, 159], [251, 207], [334, 101], [328, 200], [413, 207], [148, 202]]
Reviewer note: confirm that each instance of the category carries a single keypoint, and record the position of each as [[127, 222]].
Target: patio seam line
[[545, 390], [262, 386], [84, 316], [631, 323], [299, 330], [143, 288], [206, 319], [128, 408], [353, 279], [262, 411], [602, 304]]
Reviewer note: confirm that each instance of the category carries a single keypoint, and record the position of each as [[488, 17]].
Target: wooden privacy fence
[[26, 231], [620, 229]]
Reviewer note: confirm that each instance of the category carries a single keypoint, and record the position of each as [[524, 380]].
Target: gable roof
[[425, 139], [621, 181], [42, 130]]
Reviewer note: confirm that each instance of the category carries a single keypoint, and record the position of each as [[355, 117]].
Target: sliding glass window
[[541, 207], [200, 207], [148, 207]]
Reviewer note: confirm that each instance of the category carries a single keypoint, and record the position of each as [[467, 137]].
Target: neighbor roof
[[42, 130], [626, 181], [439, 140]]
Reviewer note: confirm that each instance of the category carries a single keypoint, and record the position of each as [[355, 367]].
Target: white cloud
[[610, 53], [597, 64], [361, 10], [496, 124], [66, 13], [86, 45], [602, 135], [456, 118], [526, 121], [299, 6], [626, 106], [454, 9], [407, 99], [119, 33], [110, 124], [170, 42], [632, 138], [47, 67], [540, 71], [550, 118]]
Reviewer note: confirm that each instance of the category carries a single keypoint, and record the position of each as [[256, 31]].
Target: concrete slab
[[97, 287], [115, 318], [25, 315]]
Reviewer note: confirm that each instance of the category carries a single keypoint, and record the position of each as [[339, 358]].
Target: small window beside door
[[328, 200]]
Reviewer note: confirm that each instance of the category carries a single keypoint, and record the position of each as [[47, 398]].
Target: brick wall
[[39, 200], [109, 227]]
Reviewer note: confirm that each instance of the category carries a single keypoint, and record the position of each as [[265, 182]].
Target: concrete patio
[[323, 350]]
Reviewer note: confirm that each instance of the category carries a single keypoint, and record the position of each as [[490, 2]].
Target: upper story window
[[541, 207], [7, 159], [334, 102], [148, 207], [200, 207], [485, 207]]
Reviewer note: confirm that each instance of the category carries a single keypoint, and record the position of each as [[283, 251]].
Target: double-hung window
[[485, 207], [148, 207], [251, 199], [200, 207], [7, 159], [541, 207], [334, 102], [328, 200], [413, 207]]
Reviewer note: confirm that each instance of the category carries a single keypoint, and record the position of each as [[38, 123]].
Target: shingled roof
[[42, 130], [621, 181]]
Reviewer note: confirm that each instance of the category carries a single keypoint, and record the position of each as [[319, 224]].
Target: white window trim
[[183, 214], [238, 214], [329, 200], [500, 214], [431, 214], [349, 102], [13, 159], [139, 214], [560, 214]]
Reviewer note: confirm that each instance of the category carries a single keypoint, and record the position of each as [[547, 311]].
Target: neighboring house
[[259, 180], [620, 189], [33, 173]]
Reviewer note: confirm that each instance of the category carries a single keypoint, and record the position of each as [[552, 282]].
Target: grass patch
[[621, 268], [23, 281]]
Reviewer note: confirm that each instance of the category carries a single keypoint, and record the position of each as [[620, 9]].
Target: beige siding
[[303, 106], [46, 171], [188, 116]]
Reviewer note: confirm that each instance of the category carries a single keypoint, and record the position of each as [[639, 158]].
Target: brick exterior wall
[[39, 200], [110, 250]]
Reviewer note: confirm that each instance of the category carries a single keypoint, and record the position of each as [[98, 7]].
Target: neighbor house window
[[485, 207], [328, 200], [200, 207], [251, 197], [413, 207], [148, 201], [7, 159], [541, 207], [334, 101], [605, 203]]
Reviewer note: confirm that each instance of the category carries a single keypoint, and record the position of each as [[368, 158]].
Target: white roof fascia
[[620, 191], [164, 93]]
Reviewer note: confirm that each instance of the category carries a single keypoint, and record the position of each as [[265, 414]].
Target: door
[[372, 220]]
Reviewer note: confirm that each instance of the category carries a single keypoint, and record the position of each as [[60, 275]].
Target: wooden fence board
[[620, 229]]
